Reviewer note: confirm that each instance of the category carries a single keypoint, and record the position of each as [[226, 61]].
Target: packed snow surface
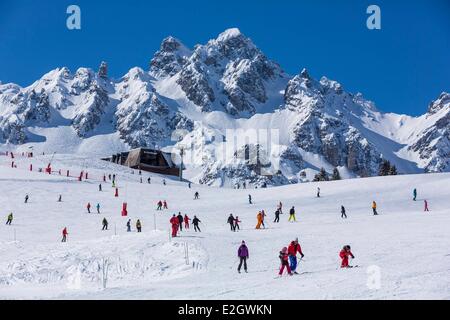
[[408, 248]]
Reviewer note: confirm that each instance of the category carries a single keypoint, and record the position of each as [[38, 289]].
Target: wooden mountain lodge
[[146, 160]]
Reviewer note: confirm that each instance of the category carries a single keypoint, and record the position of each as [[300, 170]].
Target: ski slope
[[409, 248]]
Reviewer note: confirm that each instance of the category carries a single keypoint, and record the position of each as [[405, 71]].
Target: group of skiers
[[177, 221], [88, 207], [233, 222], [161, 205]]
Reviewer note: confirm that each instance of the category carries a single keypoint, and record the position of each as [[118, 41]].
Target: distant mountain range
[[227, 83]]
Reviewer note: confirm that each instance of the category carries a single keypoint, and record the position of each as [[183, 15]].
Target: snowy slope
[[410, 247], [196, 94]]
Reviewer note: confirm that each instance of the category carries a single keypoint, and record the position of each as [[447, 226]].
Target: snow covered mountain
[[193, 98]]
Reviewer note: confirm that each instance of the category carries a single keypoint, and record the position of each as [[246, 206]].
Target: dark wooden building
[[146, 160]]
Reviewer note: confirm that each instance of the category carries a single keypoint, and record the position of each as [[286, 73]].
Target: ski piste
[[150, 264]]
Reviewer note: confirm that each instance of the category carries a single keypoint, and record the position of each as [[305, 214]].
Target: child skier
[[186, 221], [165, 205], [374, 208], [284, 262], [344, 254], [243, 256], [236, 223]]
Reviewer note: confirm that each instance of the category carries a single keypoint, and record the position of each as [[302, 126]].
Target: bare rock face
[[170, 58], [228, 73]]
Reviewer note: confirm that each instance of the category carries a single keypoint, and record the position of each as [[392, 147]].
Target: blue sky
[[401, 67]]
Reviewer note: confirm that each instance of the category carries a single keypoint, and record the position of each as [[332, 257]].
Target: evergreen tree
[[385, 166], [321, 176], [392, 171], [336, 175]]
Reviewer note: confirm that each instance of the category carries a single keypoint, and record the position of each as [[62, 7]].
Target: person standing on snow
[[277, 216], [243, 256], [88, 207], [180, 221], [59, 198], [250, 199], [374, 208], [236, 223], [318, 192], [425, 202], [196, 195], [64, 234], [129, 225], [100, 187], [263, 214], [280, 207], [259, 220], [9, 219], [344, 255], [195, 222], [343, 214], [186, 221], [164, 181], [105, 224], [165, 205], [189, 184], [414, 194], [292, 214], [284, 262], [98, 207], [138, 225], [149, 180], [26, 198], [230, 221], [293, 248], [159, 205], [174, 222]]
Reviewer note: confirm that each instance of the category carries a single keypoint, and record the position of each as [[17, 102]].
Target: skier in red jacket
[[293, 248], [174, 221], [186, 221], [88, 207], [64, 233], [165, 205], [344, 254]]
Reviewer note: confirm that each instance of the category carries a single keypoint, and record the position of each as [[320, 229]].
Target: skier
[[414, 194], [129, 225], [277, 216], [344, 254], [249, 199], [243, 256], [149, 180], [236, 223], [26, 198], [64, 234], [60, 198], [98, 207], [189, 184], [244, 185], [165, 205], [174, 223], [114, 177], [140, 180], [196, 195], [138, 225], [293, 248], [292, 214], [280, 207], [263, 214], [159, 205], [284, 262], [164, 181], [105, 224], [259, 219], [180, 221], [425, 202], [231, 222], [186, 221], [100, 187], [318, 192], [88, 207], [9, 219], [343, 214], [113, 184], [109, 176], [374, 208], [195, 222]]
